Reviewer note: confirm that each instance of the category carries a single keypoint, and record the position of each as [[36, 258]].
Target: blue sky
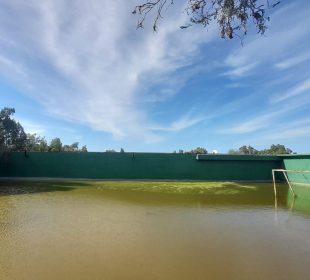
[[79, 70]]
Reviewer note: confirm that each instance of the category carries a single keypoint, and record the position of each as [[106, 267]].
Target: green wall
[[139, 166], [297, 162]]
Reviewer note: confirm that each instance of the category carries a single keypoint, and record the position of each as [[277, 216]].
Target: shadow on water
[[32, 187]]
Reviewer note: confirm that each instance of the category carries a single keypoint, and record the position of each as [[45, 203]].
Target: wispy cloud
[[262, 120], [240, 71], [86, 62], [303, 87], [251, 125], [184, 122], [293, 61], [32, 127], [10, 67], [282, 132], [290, 133]]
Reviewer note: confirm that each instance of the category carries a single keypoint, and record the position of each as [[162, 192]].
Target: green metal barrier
[[162, 166], [297, 162]]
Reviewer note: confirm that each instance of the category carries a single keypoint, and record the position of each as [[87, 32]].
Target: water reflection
[[301, 202]]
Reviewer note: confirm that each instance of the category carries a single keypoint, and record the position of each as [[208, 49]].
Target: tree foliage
[[231, 16], [273, 150], [110, 151], [74, 147], [55, 145], [12, 134], [13, 138], [84, 149], [198, 150], [36, 143], [277, 150]]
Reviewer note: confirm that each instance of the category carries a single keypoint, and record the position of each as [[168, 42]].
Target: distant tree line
[[198, 150], [13, 138], [113, 151], [36, 143], [275, 149]]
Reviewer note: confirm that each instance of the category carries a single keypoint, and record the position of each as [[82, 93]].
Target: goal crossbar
[[285, 171]]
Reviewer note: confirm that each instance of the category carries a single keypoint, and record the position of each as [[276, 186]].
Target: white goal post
[[285, 171]]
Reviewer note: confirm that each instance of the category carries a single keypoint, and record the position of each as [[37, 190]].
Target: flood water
[[86, 230]]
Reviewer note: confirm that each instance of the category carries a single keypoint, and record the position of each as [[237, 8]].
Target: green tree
[[233, 152], [243, 150], [12, 134], [31, 142], [198, 150], [43, 146], [66, 148], [247, 150], [35, 143], [55, 145], [75, 147], [273, 150], [122, 150], [276, 149], [84, 149], [231, 16]]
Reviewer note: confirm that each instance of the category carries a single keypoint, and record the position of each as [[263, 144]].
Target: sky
[[82, 71]]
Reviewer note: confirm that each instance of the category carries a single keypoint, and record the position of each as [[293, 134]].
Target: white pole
[[274, 184], [284, 173]]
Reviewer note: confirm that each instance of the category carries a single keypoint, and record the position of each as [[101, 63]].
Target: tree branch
[[231, 16]]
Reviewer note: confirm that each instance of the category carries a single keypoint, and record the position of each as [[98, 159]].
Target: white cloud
[[32, 127], [251, 125], [300, 122], [271, 117], [10, 67], [291, 133], [184, 122], [302, 87], [283, 131], [240, 71], [293, 61], [87, 63]]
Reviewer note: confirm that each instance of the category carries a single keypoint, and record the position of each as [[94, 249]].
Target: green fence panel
[[139, 166], [298, 162]]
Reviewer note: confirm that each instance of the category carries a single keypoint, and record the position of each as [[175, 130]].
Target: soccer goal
[[284, 172]]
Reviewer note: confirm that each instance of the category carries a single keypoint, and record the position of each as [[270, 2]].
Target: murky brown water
[[76, 231]]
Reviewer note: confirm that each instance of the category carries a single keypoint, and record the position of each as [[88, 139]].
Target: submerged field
[[152, 230]]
